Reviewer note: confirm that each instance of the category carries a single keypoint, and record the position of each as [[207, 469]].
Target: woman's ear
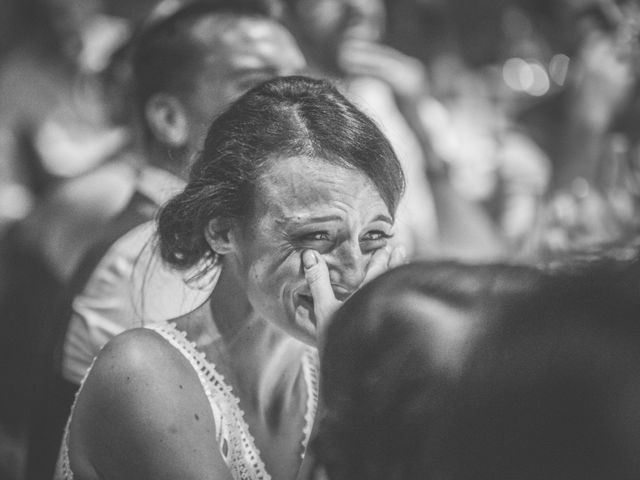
[[167, 119], [220, 236]]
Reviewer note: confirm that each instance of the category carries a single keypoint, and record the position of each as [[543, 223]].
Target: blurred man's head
[[323, 25], [189, 66]]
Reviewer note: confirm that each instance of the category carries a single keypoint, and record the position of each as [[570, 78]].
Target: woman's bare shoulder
[[142, 409], [138, 352]]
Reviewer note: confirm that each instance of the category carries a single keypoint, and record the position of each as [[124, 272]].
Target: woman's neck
[[260, 362], [244, 346], [230, 308]]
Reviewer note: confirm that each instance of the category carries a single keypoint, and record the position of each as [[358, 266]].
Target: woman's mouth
[[306, 301], [305, 304]]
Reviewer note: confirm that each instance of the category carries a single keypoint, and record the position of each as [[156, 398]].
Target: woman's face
[[306, 203]]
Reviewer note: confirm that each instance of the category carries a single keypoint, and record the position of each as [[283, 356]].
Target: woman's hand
[[316, 273]]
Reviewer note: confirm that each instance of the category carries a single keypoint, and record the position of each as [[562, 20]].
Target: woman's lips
[[306, 300]]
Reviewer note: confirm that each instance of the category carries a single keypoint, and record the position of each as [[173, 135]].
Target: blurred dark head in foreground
[[552, 389], [485, 372], [392, 354]]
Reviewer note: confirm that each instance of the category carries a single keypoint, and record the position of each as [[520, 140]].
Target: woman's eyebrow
[[304, 220], [384, 218], [301, 221]]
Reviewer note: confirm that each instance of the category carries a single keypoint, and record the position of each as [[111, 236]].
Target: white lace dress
[[236, 443]]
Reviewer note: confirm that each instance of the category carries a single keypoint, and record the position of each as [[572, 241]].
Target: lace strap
[[63, 466], [310, 369], [235, 442]]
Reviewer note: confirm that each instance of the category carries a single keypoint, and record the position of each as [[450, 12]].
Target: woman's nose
[[347, 269]]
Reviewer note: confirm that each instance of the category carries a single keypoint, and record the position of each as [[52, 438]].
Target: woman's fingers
[[383, 260], [316, 273], [379, 264], [398, 257]]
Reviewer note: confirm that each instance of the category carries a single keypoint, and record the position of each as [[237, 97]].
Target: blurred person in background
[[491, 163], [587, 125], [94, 174], [52, 123], [563, 75], [72, 215], [342, 39]]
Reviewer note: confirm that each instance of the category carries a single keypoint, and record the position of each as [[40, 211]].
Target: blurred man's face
[[324, 25], [247, 53], [327, 21]]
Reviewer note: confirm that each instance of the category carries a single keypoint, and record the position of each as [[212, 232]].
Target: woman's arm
[[143, 414]]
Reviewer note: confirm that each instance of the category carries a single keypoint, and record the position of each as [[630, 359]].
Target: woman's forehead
[[295, 183], [295, 171]]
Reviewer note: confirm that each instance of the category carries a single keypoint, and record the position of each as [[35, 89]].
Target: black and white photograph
[[319, 239]]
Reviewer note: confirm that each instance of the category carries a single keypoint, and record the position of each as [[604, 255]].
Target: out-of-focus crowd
[[530, 107], [515, 123]]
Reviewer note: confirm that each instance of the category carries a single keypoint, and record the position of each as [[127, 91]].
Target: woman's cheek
[[286, 269]]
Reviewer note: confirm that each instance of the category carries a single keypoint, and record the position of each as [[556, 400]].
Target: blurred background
[[534, 112], [514, 78]]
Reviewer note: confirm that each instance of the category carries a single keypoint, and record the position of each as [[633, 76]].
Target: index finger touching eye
[[325, 303]]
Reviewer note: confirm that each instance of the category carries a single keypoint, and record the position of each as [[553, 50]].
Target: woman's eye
[[375, 235], [374, 240], [322, 241], [317, 236]]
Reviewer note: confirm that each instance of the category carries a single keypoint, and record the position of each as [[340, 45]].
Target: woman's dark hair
[[392, 353], [285, 117]]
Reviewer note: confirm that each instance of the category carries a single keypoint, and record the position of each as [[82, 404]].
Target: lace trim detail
[[236, 443], [63, 468], [310, 363]]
